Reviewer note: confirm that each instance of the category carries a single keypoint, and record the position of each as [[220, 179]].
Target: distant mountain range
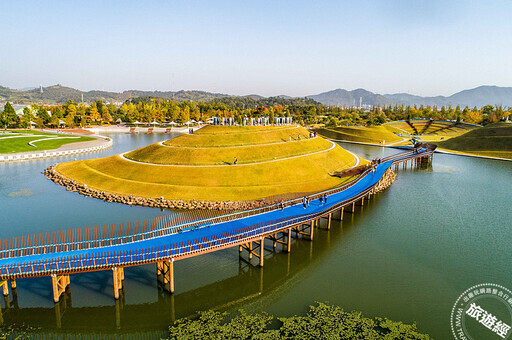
[[61, 94], [480, 96]]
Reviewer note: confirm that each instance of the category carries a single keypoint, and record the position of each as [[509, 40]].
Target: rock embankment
[[161, 202], [387, 179]]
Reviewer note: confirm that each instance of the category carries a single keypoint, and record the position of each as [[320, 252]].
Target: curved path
[[162, 242], [100, 143], [333, 145], [162, 143]]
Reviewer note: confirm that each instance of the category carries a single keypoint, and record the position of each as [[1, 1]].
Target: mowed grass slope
[[159, 154], [493, 140], [374, 135], [209, 136], [17, 141], [253, 179]]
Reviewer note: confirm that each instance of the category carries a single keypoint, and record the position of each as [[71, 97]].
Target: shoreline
[[460, 153], [53, 175], [140, 129], [438, 150]]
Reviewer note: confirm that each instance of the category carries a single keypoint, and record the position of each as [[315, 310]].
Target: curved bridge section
[[164, 240]]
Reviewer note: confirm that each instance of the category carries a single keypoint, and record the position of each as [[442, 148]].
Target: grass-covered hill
[[493, 140], [271, 161], [383, 135]]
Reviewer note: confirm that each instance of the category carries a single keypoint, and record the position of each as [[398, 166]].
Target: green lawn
[[493, 140], [18, 141], [374, 135], [158, 154], [245, 181], [238, 136]]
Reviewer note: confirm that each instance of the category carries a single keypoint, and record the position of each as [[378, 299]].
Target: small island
[[215, 167]]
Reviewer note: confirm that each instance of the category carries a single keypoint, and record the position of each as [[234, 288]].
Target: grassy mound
[[162, 154], [209, 136], [18, 141], [493, 140], [374, 135], [195, 166]]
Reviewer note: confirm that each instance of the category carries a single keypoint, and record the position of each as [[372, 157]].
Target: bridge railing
[[97, 237], [105, 260], [119, 234]]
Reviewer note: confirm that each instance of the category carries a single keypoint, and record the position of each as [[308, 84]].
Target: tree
[[473, 117], [71, 110], [28, 116], [321, 322], [57, 111], [43, 114], [54, 120], [9, 115], [70, 120], [3, 119], [272, 116], [105, 114], [93, 112], [185, 114]]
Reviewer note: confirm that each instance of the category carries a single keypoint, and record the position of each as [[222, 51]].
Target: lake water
[[406, 255]]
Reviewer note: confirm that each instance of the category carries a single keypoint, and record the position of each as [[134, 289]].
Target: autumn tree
[[473, 117]]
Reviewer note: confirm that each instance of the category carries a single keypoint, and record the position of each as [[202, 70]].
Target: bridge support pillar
[[262, 248], [5, 287], [311, 229], [118, 278], [341, 213], [277, 238], [289, 241], [13, 284], [59, 284], [253, 250], [165, 273]]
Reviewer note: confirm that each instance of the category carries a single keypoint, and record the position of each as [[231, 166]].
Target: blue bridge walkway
[[163, 241]]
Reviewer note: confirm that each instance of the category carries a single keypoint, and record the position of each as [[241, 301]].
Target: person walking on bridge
[[325, 198], [304, 202]]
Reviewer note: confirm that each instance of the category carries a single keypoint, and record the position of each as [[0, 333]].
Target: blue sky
[[264, 47]]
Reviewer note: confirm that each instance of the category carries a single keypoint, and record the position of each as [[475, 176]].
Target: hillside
[[60, 94], [493, 140], [382, 135], [480, 96], [342, 97], [271, 161]]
